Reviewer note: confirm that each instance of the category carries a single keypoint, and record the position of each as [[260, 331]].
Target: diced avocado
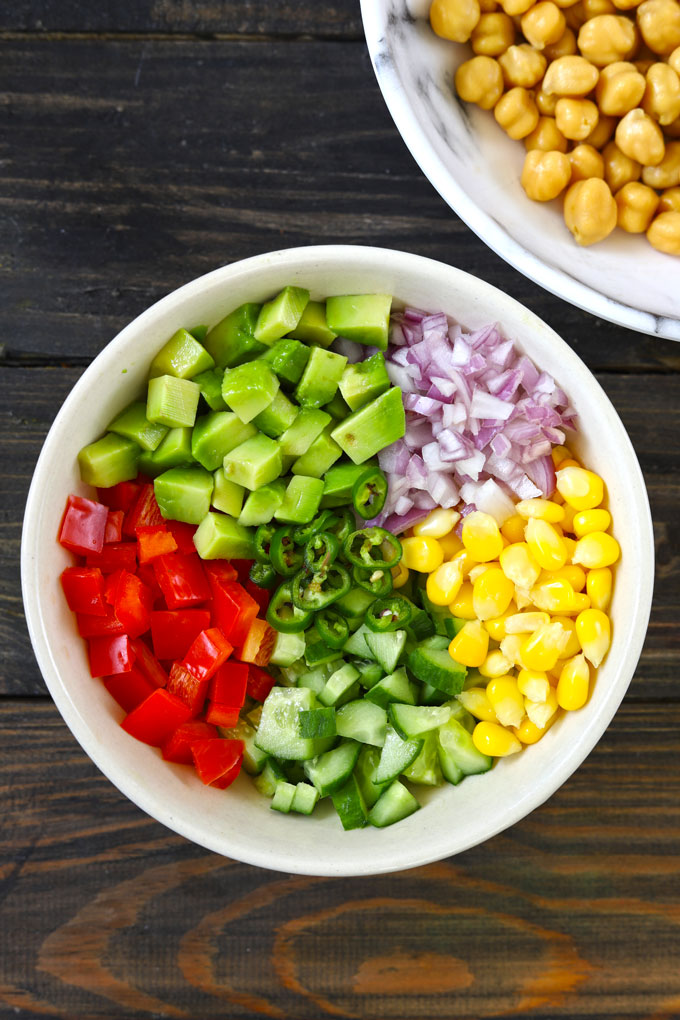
[[210, 384], [249, 388], [219, 537], [182, 356], [199, 333], [172, 401], [287, 359], [364, 318], [364, 381], [216, 434], [260, 506], [301, 500], [146, 466], [320, 378], [227, 495], [254, 463], [174, 451], [338, 483], [231, 341], [321, 455], [184, 494], [312, 327], [278, 417], [338, 408], [134, 424], [109, 460], [280, 315], [309, 424], [372, 427]]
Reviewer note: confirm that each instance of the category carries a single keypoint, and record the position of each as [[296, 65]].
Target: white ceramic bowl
[[476, 169], [239, 823]]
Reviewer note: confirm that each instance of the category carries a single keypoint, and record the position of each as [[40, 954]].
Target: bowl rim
[[107, 760], [376, 19]]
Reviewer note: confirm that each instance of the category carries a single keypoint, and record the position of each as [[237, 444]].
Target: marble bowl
[[476, 169], [238, 823]]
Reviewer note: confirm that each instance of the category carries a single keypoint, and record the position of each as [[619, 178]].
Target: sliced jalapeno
[[372, 547], [263, 575], [378, 581], [263, 538], [303, 532], [369, 493], [316, 591], [285, 556], [343, 524], [331, 627], [390, 613], [321, 551], [283, 615]]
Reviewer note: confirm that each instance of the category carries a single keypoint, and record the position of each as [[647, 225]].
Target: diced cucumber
[[108, 461], [231, 341], [317, 652], [315, 679], [364, 318], [254, 463], [283, 798], [350, 806], [396, 755], [363, 721], [425, 768], [279, 731], [134, 424], [461, 714], [430, 695], [249, 388], [280, 315], [305, 799], [182, 356], [339, 685], [393, 688], [312, 326], [369, 673], [172, 401], [373, 427], [318, 722], [414, 720], [386, 647], [393, 805], [331, 770], [268, 779], [288, 648], [365, 771], [184, 494], [356, 644], [219, 537], [458, 754], [431, 663]]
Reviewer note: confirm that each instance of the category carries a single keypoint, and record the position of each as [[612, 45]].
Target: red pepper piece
[[173, 630], [154, 540], [111, 654], [228, 778], [143, 513], [207, 653], [98, 626], [132, 604], [148, 664], [183, 534], [233, 610], [216, 757], [259, 683], [222, 715], [114, 526], [120, 496], [84, 590], [128, 689], [83, 525], [177, 747], [259, 643], [242, 568], [146, 574], [114, 556], [261, 595], [182, 580], [189, 688], [156, 718], [220, 570], [229, 684], [111, 584]]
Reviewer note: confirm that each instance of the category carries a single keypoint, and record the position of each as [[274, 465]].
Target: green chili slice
[[263, 575], [331, 627], [286, 557], [316, 591], [390, 613], [372, 547], [303, 532], [263, 538], [369, 493], [283, 615], [321, 551], [378, 581], [343, 524]]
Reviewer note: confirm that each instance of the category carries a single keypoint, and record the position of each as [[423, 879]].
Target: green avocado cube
[[172, 401], [338, 407], [313, 327], [278, 417], [287, 359], [215, 434], [364, 318], [182, 356], [210, 384], [301, 500], [280, 315], [262, 504], [219, 537], [174, 451], [249, 388], [321, 455], [134, 424], [109, 460], [320, 378], [184, 494], [372, 427], [364, 381], [309, 424], [227, 495], [254, 463], [231, 341], [338, 483]]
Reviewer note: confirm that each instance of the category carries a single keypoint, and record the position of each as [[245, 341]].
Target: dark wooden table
[[143, 144]]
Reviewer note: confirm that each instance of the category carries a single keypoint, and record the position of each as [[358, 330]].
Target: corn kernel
[[558, 454], [556, 596], [477, 571], [422, 554], [513, 528], [545, 544], [599, 587], [437, 524], [572, 687], [462, 604], [496, 626], [511, 647], [451, 544], [506, 700], [567, 521], [581, 489], [525, 623], [541, 712], [400, 575], [529, 733], [596, 549], [522, 598], [594, 633], [469, 563], [581, 602], [569, 545], [495, 664], [444, 583], [493, 739], [519, 565], [586, 521], [491, 594], [533, 684], [541, 650], [477, 703], [541, 509], [572, 646], [470, 645], [481, 536], [569, 463], [575, 575]]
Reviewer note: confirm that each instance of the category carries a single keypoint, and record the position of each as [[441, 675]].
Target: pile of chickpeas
[[593, 89]]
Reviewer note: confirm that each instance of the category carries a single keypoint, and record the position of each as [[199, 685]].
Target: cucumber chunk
[[414, 720], [386, 647], [397, 755], [365, 771], [317, 722], [363, 721], [331, 770], [279, 731], [425, 768], [272, 774], [350, 806], [339, 685], [458, 754], [287, 649], [431, 663], [254, 758], [283, 798], [393, 805], [305, 799], [395, 687]]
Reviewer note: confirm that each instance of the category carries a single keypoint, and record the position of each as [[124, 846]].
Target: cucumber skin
[[431, 666], [395, 804]]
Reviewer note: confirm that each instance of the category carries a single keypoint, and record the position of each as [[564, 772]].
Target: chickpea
[[587, 9], [516, 113], [480, 80], [607, 38], [570, 76], [636, 205], [604, 129], [664, 233], [589, 211], [516, 7], [665, 174], [492, 34], [546, 104], [619, 89], [543, 24], [454, 19], [661, 100], [546, 136], [488, 6], [643, 66], [618, 168], [674, 60], [585, 162], [640, 138], [670, 200], [672, 130], [545, 174], [576, 118], [564, 47], [522, 65], [659, 24], [626, 5]]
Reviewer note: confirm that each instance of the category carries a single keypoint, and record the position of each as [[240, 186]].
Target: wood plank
[[128, 168], [573, 912]]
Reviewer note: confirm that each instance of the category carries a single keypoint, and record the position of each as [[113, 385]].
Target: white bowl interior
[[476, 168], [239, 823]]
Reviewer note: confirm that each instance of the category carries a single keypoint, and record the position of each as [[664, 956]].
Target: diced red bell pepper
[[173, 630], [228, 778], [120, 496], [242, 568], [260, 683], [114, 556], [128, 689], [189, 688], [207, 653], [261, 595], [233, 610], [114, 526], [182, 580], [148, 664], [183, 534], [222, 715], [156, 718], [84, 590], [111, 585], [99, 626], [259, 643], [216, 758], [154, 540], [132, 604], [228, 686], [220, 570], [83, 525], [143, 512], [146, 574], [111, 654], [177, 747]]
